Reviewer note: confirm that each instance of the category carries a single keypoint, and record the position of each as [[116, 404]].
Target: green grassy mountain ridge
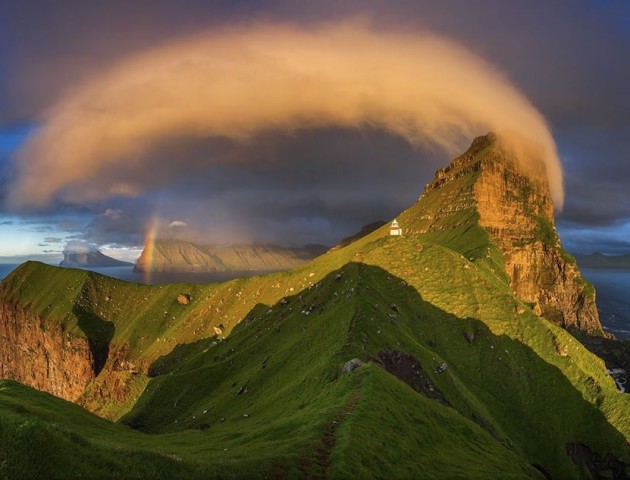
[[460, 377]]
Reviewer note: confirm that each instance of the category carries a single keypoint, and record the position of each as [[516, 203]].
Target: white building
[[395, 229]]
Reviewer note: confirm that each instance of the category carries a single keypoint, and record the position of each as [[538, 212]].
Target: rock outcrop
[[171, 255], [516, 210], [41, 355], [69, 355]]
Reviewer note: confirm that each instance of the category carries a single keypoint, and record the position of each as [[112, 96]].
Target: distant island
[[91, 258], [170, 255], [599, 260]]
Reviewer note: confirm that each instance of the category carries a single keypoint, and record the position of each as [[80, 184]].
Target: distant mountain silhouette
[[90, 259], [599, 260], [170, 255]]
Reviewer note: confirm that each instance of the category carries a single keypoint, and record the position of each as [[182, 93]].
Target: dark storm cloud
[[570, 57], [597, 174], [64, 42], [313, 187], [611, 240], [121, 224], [596, 204]]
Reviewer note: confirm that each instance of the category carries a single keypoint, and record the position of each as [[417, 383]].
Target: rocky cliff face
[[66, 347], [517, 212], [43, 356], [181, 256]]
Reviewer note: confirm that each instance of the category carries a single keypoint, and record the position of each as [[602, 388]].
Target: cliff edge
[[517, 212]]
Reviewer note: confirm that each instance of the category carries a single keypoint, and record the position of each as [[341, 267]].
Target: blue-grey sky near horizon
[[314, 185]]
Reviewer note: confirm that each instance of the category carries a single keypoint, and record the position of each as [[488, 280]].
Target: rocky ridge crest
[[517, 212]]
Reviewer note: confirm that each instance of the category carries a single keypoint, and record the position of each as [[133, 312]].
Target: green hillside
[[499, 392], [245, 379]]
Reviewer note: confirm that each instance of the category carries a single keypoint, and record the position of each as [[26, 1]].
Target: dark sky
[[569, 58]]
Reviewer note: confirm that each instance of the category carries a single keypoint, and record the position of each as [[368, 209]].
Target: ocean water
[[6, 268], [613, 299]]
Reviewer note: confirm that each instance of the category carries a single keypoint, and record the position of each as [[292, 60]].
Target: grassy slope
[[515, 396], [509, 388], [289, 403], [42, 436]]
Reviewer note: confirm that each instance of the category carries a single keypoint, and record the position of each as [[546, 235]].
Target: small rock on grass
[[351, 365]]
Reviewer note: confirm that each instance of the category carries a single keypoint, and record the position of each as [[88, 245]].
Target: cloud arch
[[238, 82]]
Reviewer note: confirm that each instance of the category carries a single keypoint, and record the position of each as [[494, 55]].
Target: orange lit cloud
[[237, 83]]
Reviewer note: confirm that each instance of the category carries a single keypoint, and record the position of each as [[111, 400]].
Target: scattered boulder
[[561, 348], [394, 307], [351, 365], [338, 277], [598, 465], [219, 329], [441, 368], [242, 390], [469, 336], [183, 298], [408, 369]]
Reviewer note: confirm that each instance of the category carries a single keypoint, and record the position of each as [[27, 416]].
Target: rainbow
[[149, 247]]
